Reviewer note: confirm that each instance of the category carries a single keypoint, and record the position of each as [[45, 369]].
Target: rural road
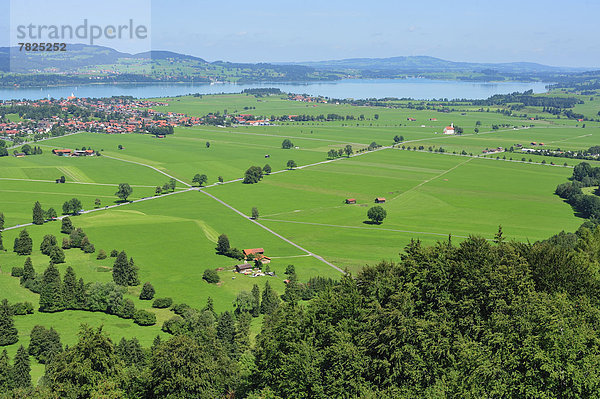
[[103, 208]]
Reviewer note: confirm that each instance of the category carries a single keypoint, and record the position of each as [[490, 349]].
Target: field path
[[433, 178], [18, 226], [73, 182], [151, 167], [274, 233], [47, 138]]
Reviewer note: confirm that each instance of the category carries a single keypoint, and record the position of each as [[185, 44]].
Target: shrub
[[147, 292], [211, 276], [127, 309], [162, 303], [144, 318], [180, 308], [17, 271], [174, 325], [101, 255], [22, 308], [89, 248]]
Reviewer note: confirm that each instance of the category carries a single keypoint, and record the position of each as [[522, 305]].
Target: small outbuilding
[[350, 200], [243, 267], [379, 200]]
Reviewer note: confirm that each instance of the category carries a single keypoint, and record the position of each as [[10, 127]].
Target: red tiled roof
[[253, 251]]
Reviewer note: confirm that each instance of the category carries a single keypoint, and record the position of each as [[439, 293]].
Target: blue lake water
[[348, 88]]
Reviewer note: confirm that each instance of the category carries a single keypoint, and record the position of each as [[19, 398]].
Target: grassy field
[[172, 238]]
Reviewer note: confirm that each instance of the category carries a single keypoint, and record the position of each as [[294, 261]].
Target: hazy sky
[[549, 32]]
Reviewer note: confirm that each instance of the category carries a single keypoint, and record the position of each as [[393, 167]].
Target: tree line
[[482, 318]]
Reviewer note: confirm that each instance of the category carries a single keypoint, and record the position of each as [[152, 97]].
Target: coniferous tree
[[210, 306], [23, 243], [57, 255], [292, 289], [38, 213], [131, 352], [226, 330], [5, 372], [67, 225], [8, 332], [255, 301], [1, 221], [28, 271], [48, 242], [1, 243], [120, 269], [242, 332], [21, 370], [155, 343], [51, 291], [52, 346], [147, 292], [132, 275], [80, 298], [69, 287], [37, 341], [67, 373], [270, 300]]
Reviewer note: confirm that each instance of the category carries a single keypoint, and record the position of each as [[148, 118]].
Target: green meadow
[[429, 196]]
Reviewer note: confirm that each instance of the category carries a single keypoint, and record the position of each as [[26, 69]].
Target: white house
[[449, 129]]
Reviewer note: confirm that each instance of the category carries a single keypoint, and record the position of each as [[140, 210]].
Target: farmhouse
[[61, 153], [449, 129], [82, 153], [350, 200], [380, 200], [253, 251]]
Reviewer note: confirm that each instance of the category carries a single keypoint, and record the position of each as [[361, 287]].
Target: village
[[111, 115]]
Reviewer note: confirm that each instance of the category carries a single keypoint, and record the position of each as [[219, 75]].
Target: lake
[[416, 88]]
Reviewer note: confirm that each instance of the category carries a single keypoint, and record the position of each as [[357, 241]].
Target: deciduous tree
[[376, 214], [124, 191]]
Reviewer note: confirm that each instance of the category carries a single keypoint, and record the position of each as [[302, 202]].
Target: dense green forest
[[477, 319]]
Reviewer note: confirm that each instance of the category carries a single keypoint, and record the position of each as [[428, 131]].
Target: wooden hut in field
[[350, 200], [380, 200]]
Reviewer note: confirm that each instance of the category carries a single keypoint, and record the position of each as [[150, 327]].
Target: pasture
[[429, 196]]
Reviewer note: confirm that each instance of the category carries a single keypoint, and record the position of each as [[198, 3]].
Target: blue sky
[[548, 32]]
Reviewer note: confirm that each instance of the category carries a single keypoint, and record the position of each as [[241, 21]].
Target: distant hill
[[415, 64], [82, 64]]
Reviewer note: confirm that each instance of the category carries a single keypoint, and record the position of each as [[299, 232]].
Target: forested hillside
[[478, 319]]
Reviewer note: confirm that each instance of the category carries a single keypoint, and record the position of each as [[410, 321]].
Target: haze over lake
[[416, 88]]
